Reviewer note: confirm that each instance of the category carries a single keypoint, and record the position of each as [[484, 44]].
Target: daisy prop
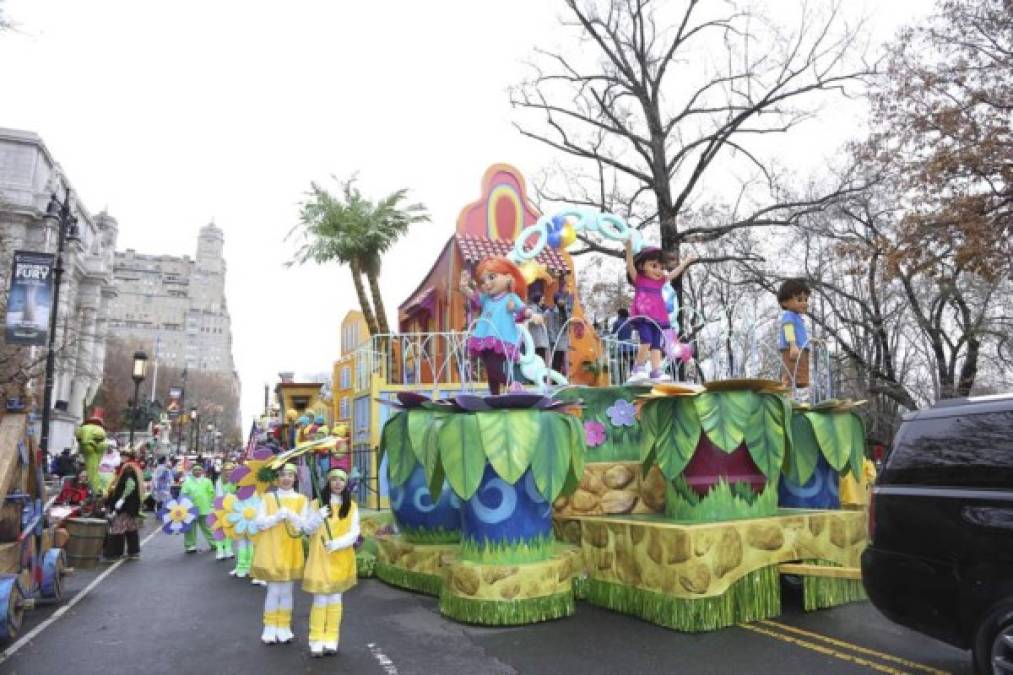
[[178, 515]]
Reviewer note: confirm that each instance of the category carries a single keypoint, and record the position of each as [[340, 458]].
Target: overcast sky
[[171, 114]]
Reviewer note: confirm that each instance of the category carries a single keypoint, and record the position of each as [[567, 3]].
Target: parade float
[[32, 564], [674, 503]]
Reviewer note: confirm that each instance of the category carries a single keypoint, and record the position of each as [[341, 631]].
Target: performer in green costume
[[201, 491], [91, 440]]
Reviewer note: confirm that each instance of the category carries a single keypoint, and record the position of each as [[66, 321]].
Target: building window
[[346, 377], [345, 408]]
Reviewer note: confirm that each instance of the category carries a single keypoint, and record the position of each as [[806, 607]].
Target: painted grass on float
[[507, 553], [755, 596], [825, 592], [507, 612]]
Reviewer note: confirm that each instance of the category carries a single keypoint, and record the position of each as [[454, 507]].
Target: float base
[[510, 595], [414, 567], [704, 576]]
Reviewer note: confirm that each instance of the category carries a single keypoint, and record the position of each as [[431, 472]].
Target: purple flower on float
[[594, 434], [622, 413]]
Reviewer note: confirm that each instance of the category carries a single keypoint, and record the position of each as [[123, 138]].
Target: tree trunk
[[374, 290], [360, 292]]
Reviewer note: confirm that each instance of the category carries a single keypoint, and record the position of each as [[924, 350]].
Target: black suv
[[940, 555]]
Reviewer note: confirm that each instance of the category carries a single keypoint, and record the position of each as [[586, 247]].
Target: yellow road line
[[821, 649], [856, 648]]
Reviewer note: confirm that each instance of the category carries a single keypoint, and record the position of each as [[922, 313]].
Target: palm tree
[[356, 232]]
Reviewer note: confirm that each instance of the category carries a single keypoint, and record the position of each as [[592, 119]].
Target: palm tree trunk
[[374, 290], [360, 292]]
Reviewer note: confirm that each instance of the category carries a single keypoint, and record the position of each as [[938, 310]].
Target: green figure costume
[[202, 492], [91, 439], [244, 559]]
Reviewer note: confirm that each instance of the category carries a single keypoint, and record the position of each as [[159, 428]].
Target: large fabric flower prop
[[178, 515], [622, 413], [240, 519], [216, 519], [594, 434], [246, 476]]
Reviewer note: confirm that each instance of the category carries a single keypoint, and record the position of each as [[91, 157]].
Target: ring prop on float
[[559, 232]]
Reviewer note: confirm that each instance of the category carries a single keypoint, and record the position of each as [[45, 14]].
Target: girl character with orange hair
[[500, 294]]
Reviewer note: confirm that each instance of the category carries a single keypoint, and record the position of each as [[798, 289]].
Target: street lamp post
[[66, 224], [179, 419], [137, 374], [195, 429], [211, 437]]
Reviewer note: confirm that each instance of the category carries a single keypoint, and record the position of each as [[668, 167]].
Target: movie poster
[[30, 299], [175, 404]]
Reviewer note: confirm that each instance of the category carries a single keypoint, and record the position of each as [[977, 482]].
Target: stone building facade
[[177, 305], [28, 176]]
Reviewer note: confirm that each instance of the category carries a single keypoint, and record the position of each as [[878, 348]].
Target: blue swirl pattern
[[819, 492], [414, 509], [502, 513]]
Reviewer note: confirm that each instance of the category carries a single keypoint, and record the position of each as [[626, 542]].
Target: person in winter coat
[[201, 492], [125, 496]]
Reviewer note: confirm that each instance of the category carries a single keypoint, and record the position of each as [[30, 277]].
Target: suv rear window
[[962, 450]]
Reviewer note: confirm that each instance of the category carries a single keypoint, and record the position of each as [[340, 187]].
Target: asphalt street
[[171, 613]]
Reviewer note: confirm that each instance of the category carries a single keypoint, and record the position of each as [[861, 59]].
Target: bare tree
[[658, 94]]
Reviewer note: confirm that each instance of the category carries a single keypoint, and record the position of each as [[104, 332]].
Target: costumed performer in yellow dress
[[278, 557], [330, 569]]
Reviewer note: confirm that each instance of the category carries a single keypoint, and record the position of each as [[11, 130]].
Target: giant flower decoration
[[245, 476], [622, 413], [216, 519], [241, 517], [594, 434], [178, 515]]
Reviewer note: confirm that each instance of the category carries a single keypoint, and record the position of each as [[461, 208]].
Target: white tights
[[279, 595], [324, 599]]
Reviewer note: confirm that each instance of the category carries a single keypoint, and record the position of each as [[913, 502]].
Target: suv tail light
[[872, 515]]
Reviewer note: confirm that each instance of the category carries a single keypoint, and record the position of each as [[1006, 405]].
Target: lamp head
[[140, 369]]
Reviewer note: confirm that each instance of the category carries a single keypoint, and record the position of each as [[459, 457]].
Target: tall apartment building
[[177, 305]]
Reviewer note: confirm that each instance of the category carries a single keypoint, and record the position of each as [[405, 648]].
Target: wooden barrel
[[84, 548]]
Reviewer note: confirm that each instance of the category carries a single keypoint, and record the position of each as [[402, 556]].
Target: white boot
[[316, 648], [285, 635], [331, 647], [270, 635]]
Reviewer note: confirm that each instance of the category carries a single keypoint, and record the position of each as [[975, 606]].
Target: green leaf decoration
[[804, 452], [765, 435], [857, 445], [431, 455], [461, 454], [676, 448], [655, 426], [400, 459], [551, 462], [510, 438], [578, 447], [834, 432], [724, 416], [419, 421]]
